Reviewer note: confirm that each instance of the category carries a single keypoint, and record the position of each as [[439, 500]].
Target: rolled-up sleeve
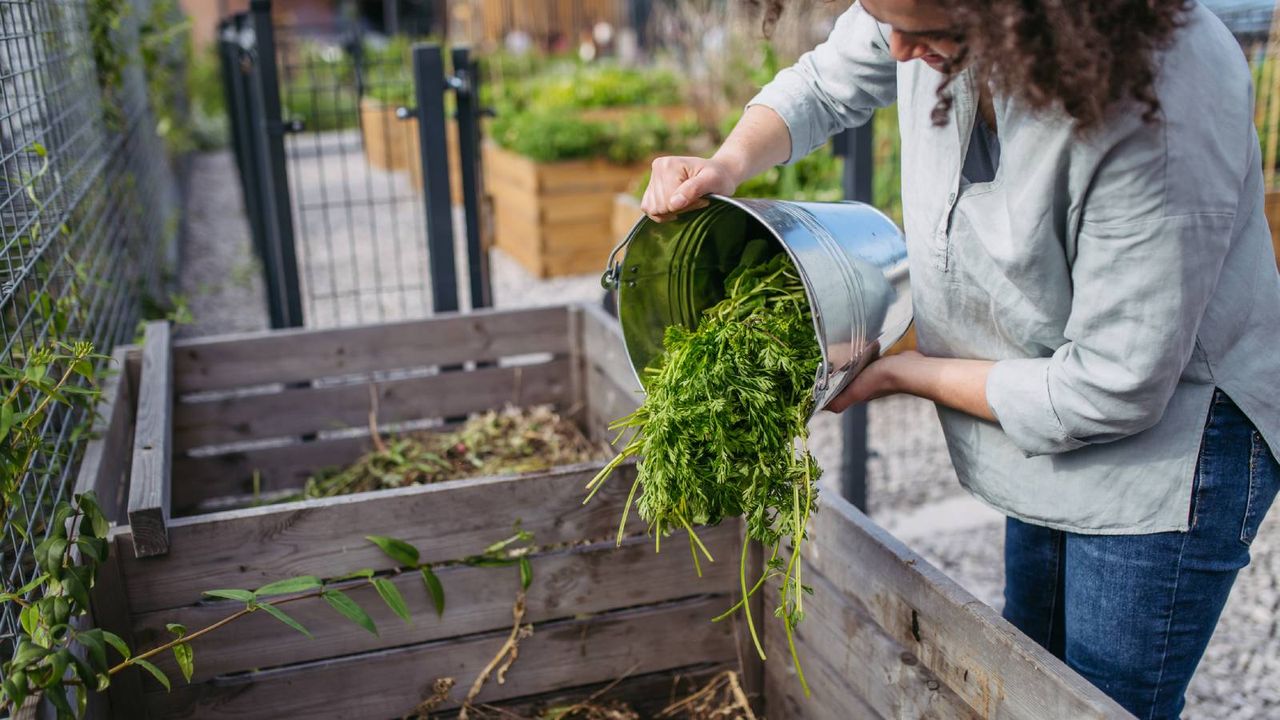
[[1147, 259], [836, 85]]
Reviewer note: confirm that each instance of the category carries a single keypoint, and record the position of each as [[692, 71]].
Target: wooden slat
[[784, 698], [447, 521], [152, 446], [110, 606], [389, 683], [108, 456], [647, 694], [284, 356], [838, 636], [103, 471], [594, 205], [196, 479], [296, 411], [995, 669], [605, 347], [567, 583]]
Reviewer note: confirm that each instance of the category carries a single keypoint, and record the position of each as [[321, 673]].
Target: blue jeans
[[1134, 613]]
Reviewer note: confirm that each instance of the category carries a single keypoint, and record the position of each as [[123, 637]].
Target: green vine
[[109, 56], [61, 657], [165, 44]]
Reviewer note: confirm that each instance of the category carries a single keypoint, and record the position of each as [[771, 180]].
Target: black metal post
[[270, 131], [236, 83], [430, 86], [467, 86], [856, 147], [391, 16]]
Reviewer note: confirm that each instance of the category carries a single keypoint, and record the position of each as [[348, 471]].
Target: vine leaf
[[298, 584], [155, 672], [392, 597], [526, 573], [231, 594], [349, 609], [117, 642], [402, 552], [183, 653], [280, 615], [186, 658], [435, 589]]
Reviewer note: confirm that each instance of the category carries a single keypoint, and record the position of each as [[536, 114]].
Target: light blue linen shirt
[[1116, 277]]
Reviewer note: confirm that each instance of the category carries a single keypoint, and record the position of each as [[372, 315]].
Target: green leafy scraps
[[717, 433]]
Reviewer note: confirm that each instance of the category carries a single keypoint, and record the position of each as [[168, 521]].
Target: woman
[[1096, 296]]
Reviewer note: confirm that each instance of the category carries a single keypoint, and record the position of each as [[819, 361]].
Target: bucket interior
[[674, 271]]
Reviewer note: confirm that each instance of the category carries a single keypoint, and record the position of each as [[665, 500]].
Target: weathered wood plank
[[447, 521], [285, 356], [108, 455], [611, 387], [840, 636], [831, 698], [196, 479], [647, 694], [605, 347], [152, 446], [567, 583], [109, 604], [995, 669], [103, 472], [389, 683], [296, 411]]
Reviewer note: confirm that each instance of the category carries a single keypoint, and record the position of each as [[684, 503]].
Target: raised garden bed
[[188, 422], [554, 218]]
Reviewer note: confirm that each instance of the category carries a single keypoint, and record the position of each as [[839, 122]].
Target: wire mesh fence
[[89, 217], [355, 178]]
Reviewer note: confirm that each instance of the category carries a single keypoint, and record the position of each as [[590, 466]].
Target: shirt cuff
[[1018, 394], [792, 111]]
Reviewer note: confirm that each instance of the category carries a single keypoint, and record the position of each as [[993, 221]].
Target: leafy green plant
[[547, 136], [716, 434], [110, 56], [59, 653], [164, 40]]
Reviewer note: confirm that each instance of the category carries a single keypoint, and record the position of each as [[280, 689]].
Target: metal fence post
[[286, 295], [235, 82], [856, 147], [467, 86], [430, 86]]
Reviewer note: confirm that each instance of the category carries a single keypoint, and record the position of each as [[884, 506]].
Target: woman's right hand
[[679, 184]]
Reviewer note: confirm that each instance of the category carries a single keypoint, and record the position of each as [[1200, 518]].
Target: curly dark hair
[[1080, 56]]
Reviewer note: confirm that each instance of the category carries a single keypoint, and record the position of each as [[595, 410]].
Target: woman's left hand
[[957, 384], [875, 381]]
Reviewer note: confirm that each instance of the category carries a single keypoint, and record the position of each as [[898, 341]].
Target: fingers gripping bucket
[[851, 258]]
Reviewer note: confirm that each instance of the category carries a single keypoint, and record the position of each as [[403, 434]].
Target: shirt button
[[951, 198]]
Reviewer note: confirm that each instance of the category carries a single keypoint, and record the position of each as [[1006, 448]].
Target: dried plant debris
[[510, 441], [720, 698], [723, 429]]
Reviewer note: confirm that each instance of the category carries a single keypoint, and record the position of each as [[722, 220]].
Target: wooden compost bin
[[554, 218], [886, 635]]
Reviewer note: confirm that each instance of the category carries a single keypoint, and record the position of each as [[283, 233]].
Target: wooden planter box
[[393, 144], [626, 213], [386, 136], [554, 218], [885, 634]]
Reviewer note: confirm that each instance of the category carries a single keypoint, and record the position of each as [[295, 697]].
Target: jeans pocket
[[1264, 482]]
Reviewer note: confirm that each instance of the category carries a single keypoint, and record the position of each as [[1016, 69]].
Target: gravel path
[[912, 486]]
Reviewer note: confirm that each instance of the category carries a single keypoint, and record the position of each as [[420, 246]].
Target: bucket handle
[[613, 270]]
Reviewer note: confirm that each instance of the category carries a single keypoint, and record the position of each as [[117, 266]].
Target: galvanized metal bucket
[[852, 259]]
